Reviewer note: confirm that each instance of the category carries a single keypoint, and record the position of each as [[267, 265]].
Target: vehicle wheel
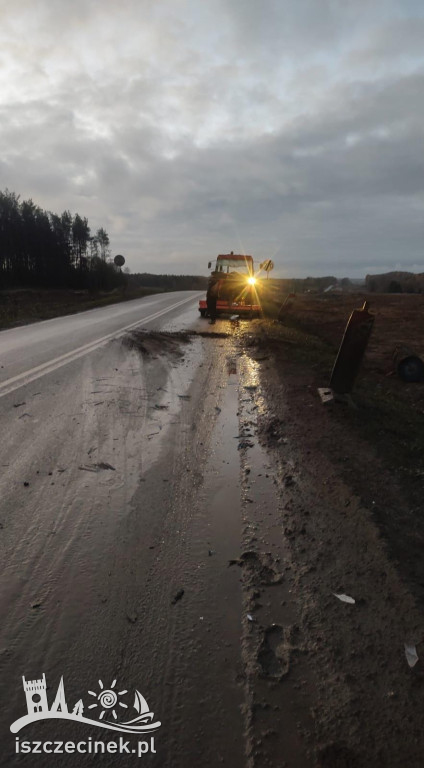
[[202, 312]]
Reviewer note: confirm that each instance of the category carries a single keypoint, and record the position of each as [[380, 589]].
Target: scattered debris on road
[[344, 598], [411, 654], [177, 596], [245, 444], [96, 467]]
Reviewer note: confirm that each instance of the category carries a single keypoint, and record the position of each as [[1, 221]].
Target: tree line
[[306, 284], [167, 282], [395, 282], [43, 249]]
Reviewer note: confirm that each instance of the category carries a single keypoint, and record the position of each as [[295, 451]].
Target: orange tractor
[[237, 286]]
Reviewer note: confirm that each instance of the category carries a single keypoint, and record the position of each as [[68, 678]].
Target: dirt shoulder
[[349, 485]]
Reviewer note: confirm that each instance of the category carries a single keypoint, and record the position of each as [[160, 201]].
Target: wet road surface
[[121, 508]]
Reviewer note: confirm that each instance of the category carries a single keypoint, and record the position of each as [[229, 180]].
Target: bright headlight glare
[[251, 280]]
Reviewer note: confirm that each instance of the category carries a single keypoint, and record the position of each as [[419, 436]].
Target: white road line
[[8, 386]]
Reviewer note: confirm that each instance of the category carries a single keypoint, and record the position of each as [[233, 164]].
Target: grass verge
[[389, 413]]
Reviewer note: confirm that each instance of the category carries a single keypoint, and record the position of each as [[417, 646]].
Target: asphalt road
[[114, 543], [29, 352]]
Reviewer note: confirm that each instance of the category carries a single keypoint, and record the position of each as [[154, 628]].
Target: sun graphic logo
[[107, 703], [107, 699]]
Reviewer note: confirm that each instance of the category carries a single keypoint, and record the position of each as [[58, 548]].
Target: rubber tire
[[202, 312]]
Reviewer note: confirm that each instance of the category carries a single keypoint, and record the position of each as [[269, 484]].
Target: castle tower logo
[[108, 703], [36, 697]]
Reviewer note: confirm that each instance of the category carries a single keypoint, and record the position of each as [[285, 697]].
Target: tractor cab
[[234, 264]]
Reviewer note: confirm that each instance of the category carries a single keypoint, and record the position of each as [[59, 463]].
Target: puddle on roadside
[[216, 603], [221, 488], [240, 506], [269, 599]]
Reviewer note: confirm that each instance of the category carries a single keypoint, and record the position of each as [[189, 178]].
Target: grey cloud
[[291, 130]]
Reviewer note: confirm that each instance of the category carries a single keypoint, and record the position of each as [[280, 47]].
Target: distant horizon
[[274, 274]]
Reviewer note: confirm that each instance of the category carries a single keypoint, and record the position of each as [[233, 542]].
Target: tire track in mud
[[182, 648], [231, 645]]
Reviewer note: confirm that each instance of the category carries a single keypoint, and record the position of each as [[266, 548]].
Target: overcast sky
[[290, 129]]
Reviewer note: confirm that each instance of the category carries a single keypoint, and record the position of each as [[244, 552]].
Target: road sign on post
[[119, 260], [267, 265]]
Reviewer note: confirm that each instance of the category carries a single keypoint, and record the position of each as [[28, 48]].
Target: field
[[388, 422], [399, 320]]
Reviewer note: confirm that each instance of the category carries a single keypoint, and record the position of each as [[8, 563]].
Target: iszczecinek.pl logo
[[106, 705]]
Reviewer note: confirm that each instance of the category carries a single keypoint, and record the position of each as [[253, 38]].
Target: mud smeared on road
[[152, 344]]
